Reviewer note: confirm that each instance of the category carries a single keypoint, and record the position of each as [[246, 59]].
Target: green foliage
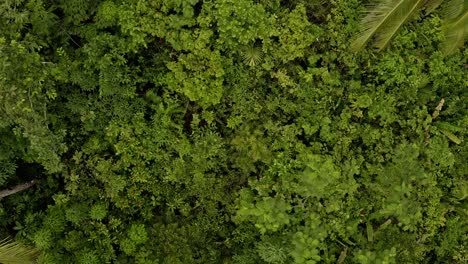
[[7, 170], [234, 131], [137, 234], [98, 212]]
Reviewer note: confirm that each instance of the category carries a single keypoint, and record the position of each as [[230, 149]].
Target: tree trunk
[[17, 188]]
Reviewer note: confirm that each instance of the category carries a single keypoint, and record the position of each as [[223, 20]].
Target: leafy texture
[[233, 131], [383, 20], [456, 29], [386, 17], [15, 253]]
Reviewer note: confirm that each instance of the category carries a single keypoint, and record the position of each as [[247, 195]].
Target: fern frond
[[12, 252]]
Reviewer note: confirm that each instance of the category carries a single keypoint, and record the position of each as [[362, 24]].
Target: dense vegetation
[[231, 131]]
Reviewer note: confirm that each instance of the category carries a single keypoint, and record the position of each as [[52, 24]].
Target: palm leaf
[[370, 232], [342, 256], [453, 9], [383, 21], [12, 252], [456, 31], [451, 136], [449, 127], [431, 5], [386, 17], [252, 56]]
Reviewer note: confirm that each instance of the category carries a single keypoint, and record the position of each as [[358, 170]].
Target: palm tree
[[386, 17], [12, 252]]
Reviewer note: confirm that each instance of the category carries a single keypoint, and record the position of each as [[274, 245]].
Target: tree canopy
[[234, 131]]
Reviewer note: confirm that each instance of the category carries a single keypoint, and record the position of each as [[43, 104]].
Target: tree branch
[[17, 188]]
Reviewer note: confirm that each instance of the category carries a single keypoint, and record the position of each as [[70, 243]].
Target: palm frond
[[12, 252], [455, 33], [453, 9], [451, 136], [431, 5], [383, 21], [252, 56]]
